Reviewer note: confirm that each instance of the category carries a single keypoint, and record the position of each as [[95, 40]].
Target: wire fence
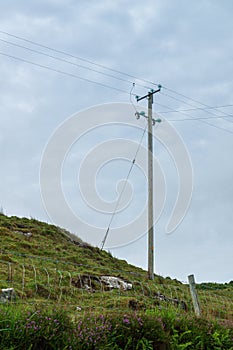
[[35, 284]]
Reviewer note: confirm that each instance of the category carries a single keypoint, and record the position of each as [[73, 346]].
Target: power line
[[106, 74], [205, 108], [203, 121], [191, 99], [188, 104], [194, 109], [77, 57], [187, 97], [123, 189], [200, 118], [71, 63], [217, 127], [64, 73], [107, 68], [104, 67], [109, 87]]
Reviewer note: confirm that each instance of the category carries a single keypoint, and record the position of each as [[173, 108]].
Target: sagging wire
[[123, 189]]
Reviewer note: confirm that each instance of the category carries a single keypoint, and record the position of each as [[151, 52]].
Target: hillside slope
[[24, 240], [44, 262]]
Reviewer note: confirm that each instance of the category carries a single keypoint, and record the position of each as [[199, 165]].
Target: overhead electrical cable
[[191, 105], [200, 118], [203, 121], [191, 99], [77, 57], [187, 97], [109, 87], [64, 73], [217, 127], [194, 109], [206, 107], [71, 63], [107, 68]]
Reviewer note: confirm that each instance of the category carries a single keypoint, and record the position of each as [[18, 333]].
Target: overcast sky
[[187, 47]]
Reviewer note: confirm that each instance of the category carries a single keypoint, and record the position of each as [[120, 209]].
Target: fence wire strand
[[38, 284]]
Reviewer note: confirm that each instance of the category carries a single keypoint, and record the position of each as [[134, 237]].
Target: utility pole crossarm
[[152, 92]]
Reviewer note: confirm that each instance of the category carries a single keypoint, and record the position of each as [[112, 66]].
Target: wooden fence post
[[194, 295], [10, 273]]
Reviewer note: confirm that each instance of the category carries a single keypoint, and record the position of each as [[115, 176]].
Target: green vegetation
[[45, 329], [51, 246], [60, 303]]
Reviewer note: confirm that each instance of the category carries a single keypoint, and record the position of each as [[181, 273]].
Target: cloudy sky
[[187, 47]]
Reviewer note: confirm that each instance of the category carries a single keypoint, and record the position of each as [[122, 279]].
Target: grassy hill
[[41, 261], [49, 268], [45, 262], [24, 240]]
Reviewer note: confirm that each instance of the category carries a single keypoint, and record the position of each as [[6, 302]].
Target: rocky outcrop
[[7, 294], [26, 234], [112, 282], [107, 283]]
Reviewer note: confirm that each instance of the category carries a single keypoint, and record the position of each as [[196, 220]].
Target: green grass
[[49, 243], [43, 267], [29, 327], [50, 312]]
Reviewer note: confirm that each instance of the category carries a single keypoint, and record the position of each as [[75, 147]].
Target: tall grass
[[46, 328]]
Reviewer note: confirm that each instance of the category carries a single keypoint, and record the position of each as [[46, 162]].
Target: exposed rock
[[115, 283], [92, 283], [26, 234], [7, 294]]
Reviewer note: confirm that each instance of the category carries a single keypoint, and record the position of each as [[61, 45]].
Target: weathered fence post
[[10, 273], [194, 295]]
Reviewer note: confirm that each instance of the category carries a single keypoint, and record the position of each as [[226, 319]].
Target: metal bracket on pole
[[143, 114]]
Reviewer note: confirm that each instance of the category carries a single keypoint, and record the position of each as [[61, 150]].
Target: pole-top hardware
[[138, 114], [143, 114], [156, 121], [151, 92]]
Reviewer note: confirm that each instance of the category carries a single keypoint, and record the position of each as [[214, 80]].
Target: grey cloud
[[187, 47]]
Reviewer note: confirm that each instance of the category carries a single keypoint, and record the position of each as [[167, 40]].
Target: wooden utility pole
[[150, 192], [150, 228]]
